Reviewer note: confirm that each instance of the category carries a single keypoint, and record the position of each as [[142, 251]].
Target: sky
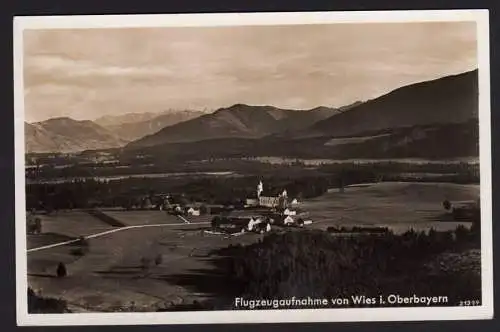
[[88, 73]]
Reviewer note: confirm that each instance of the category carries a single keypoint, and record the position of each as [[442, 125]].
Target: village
[[259, 213]]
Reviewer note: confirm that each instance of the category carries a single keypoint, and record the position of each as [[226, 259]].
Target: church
[[280, 201]]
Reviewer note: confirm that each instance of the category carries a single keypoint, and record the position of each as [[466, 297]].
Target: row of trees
[[299, 182], [143, 192], [244, 166]]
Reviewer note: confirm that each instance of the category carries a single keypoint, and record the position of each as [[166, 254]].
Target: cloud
[[58, 66], [90, 72]]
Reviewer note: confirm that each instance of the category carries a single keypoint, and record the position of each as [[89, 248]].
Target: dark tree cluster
[[316, 264], [38, 304]]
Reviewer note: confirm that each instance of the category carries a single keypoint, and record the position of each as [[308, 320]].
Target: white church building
[[280, 201]]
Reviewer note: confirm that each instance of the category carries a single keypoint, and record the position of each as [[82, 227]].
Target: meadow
[[180, 267]]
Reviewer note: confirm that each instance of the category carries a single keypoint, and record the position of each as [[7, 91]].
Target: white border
[[480, 16]]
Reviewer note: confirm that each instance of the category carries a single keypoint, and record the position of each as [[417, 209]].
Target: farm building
[[286, 220], [241, 221], [291, 220], [193, 211]]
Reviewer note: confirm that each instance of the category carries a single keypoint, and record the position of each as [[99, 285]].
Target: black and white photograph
[[257, 167]]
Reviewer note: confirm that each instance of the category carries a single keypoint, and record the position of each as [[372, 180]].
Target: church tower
[[260, 189]]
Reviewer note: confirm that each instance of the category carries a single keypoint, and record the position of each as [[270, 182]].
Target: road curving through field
[[113, 231]]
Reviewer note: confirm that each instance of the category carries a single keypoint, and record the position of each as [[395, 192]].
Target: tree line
[[298, 180], [314, 263], [212, 190]]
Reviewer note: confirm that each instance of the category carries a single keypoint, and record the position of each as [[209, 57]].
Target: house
[[193, 212], [238, 220], [289, 212], [294, 202], [284, 220], [235, 224], [292, 220], [306, 221], [288, 220], [253, 222]]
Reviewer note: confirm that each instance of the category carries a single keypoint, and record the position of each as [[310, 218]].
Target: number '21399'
[[469, 303]]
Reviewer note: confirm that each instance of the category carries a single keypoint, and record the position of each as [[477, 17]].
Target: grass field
[[396, 205], [109, 276], [68, 224], [132, 218]]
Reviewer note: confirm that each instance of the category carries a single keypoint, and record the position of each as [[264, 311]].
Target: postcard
[[253, 168]]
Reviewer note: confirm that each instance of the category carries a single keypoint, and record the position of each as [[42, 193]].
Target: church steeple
[[260, 189]]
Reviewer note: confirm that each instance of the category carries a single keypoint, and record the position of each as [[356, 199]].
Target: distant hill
[[133, 126], [114, 120], [67, 135], [427, 142], [237, 121], [451, 99]]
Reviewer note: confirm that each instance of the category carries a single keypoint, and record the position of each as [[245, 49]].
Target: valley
[[141, 209]]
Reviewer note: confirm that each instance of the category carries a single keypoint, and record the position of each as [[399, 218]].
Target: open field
[[132, 218], [397, 205], [66, 225], [110, 277]]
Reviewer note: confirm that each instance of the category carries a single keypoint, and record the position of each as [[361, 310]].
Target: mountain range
[[133, 126], [67, 135], [64, 134], [237, 121], [426, 116], [432, 119]]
